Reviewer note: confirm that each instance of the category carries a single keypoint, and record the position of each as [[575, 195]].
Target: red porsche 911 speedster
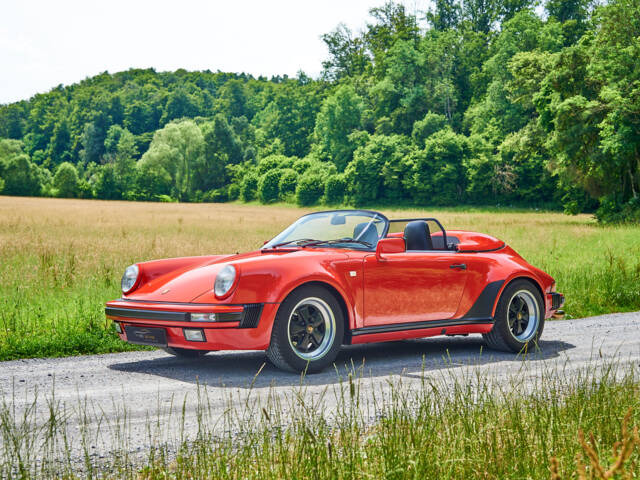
[[337, 278]]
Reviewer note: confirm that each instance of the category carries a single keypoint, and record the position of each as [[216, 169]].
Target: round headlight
[[224, 281], [129, 278]]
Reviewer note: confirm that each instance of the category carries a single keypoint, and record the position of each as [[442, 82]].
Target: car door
[[412, 287]]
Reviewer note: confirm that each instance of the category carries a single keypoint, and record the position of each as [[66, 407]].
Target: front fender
[[272, 280]]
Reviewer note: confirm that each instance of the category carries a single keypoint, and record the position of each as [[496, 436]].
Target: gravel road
[[149, 385]]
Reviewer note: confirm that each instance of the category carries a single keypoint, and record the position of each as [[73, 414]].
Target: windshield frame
[[372, 213]]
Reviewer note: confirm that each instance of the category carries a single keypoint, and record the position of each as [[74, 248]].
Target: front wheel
[[308, 331], [519, 319]]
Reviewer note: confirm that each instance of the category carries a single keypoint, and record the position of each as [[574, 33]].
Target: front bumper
[[238, 327]]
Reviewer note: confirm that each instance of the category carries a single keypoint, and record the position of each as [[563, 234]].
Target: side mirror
[[389, 245]]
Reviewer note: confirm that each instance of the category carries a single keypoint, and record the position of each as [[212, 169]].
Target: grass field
[[60, 260]]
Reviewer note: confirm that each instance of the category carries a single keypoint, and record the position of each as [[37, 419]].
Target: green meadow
[[60, 260]]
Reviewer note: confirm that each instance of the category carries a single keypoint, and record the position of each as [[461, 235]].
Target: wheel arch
[[516, 278], [346, 317]]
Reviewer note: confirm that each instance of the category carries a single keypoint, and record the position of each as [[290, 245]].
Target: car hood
[[189, 283]]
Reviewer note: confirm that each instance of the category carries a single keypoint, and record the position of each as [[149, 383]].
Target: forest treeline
[[478, 102]]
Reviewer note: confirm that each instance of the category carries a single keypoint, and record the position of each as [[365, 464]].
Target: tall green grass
[[60, 260], [48, 308], [527, 425]]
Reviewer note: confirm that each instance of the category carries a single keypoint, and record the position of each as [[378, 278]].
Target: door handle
[[461, 266]]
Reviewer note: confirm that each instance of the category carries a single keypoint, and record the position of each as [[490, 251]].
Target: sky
[[44, 43]]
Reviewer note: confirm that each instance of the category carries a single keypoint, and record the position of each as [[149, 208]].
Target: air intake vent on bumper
[[251, 316]]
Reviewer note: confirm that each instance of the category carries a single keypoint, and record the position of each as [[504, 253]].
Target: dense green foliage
[[491, 102]]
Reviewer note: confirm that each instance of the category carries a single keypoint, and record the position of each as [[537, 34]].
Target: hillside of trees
[[477, 102]]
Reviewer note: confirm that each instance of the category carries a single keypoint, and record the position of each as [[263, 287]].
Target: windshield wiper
[[311, 242], [341, 240], [300, 242]]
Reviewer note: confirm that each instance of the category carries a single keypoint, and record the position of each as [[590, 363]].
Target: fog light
[[117, 326], [203, 317], [194, 334]]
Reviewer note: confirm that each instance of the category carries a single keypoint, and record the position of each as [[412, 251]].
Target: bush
[[310, 189], [197, 196], [611, 210], [219, 195], [233, 192], [430, 124], [575, 200], [334, 189], [107, 183], [439, 173], [364, 174], [1, 185], [249, 187], [288, 183], [287, 162], [301, 165], [21, 176], [65, 180], [85, 190], [46, 182], [268, 186], [324, 169], [270, 162], [152, 181]]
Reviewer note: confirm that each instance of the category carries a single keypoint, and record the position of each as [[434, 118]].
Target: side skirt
[[401, 327]]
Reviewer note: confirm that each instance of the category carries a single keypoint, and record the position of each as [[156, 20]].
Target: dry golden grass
[[61, 259], [117, 233], [109, 234]]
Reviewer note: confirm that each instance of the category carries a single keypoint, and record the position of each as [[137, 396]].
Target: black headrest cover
[[418, 236]]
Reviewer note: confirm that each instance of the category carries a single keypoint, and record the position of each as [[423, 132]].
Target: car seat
[[366, 232], [417, 236]]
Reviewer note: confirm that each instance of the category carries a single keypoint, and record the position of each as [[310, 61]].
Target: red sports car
[[337, 278]]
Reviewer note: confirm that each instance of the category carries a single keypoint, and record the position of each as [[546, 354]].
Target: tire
[[307, 332], [519, 319], [185, 352]]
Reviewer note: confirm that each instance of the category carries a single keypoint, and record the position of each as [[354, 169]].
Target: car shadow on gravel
[[410, 358]]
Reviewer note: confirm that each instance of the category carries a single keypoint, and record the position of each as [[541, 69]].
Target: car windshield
[[359, 229]]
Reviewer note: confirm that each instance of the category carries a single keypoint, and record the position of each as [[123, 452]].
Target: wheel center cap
[[309, 329], [520, 316]]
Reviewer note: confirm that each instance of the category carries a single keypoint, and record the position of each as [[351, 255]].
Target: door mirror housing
[[390, 245]]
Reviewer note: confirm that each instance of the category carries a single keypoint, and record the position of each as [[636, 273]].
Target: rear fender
[[523, 275], [489, 274]]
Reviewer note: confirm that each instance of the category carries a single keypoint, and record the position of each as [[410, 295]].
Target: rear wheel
[[519, 319], [185, 352], [307, 331]]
